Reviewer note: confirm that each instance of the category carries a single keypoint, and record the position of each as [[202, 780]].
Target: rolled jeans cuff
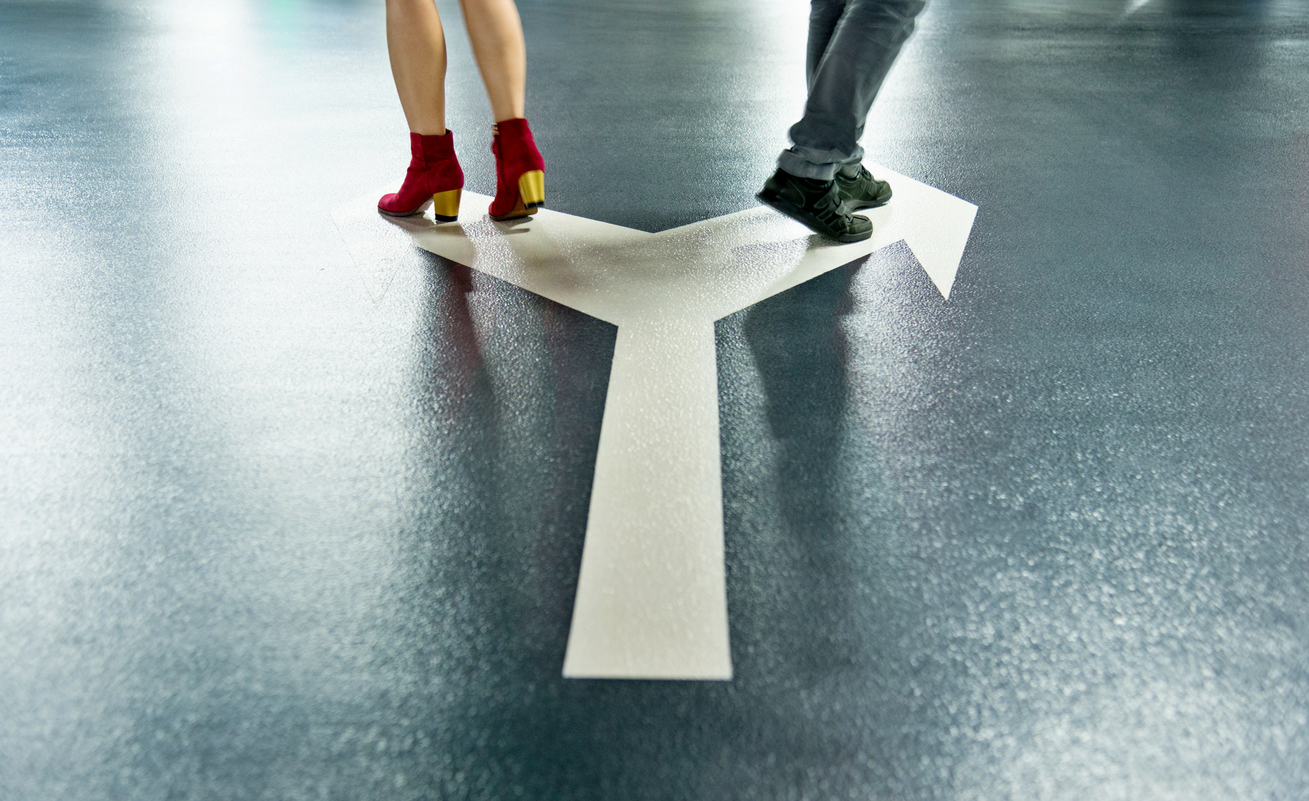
[[822, 165]]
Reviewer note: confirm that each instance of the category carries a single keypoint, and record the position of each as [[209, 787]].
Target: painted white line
[[651, 594], [651, 597]]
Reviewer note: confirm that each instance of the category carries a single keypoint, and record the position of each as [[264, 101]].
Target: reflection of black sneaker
[[816, 204], [862, 191]]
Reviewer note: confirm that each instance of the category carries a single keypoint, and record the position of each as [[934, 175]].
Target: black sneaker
[[862, 191], [816, 204]]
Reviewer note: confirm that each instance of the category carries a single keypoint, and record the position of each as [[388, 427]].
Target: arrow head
[[934, 224]]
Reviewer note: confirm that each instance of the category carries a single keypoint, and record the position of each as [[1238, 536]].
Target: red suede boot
[[434, 177], [519, 171]]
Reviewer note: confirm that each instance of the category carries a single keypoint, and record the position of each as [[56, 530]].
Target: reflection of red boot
[[519, 171], [434, 177]]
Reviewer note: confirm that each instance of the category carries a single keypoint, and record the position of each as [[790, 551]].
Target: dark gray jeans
[[852, 44]]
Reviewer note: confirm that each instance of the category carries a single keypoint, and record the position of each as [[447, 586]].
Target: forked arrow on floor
[[651, 594]]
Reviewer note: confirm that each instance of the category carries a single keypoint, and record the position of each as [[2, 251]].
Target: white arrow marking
[[651, 594]]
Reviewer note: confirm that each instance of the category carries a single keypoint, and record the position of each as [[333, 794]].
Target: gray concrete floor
[[268, 531]]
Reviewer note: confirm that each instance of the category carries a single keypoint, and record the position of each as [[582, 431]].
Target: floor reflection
[[799, 348], [508, 393]]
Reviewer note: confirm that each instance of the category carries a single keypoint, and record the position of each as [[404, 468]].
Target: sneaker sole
[[806, 219]]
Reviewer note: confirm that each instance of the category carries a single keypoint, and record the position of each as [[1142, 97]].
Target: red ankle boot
[[434, 177], [519, 171]]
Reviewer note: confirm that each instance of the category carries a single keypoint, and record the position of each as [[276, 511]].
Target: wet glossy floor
[[293, 508]]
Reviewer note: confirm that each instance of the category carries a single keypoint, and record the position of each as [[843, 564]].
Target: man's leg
[[819, 180], [844, 78], [824, 16]]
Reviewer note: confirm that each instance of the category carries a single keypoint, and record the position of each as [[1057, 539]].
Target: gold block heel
[[531, 188], [445, 205]]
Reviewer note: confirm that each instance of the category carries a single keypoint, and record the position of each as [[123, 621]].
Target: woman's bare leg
[[416, 43], [496, 32]]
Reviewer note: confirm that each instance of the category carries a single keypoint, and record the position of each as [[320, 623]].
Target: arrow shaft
[[651, 595]]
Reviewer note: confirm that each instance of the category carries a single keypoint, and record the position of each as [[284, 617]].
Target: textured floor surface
[[270, 529]]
